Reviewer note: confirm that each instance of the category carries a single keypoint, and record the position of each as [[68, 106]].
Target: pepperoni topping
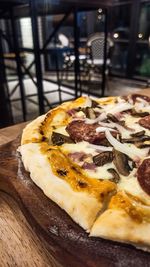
[[80, 131], [143, 175], [135, 96], [145, 122]]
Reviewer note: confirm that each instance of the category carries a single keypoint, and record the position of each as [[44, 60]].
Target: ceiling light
[[100, 10], [140, 35], [116, 35]]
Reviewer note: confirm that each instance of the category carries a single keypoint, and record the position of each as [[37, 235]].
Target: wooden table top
[[19, 245]]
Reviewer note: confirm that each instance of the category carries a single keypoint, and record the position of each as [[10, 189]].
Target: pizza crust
[[126, 220], [31, 133], [117, 225], [81, 207]]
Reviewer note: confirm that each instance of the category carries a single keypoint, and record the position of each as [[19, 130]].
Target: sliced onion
[[101, 148], [119, 127], [123, 106], [103, 129], [120, 107], [134, 154], [101, 117], [143, 101]]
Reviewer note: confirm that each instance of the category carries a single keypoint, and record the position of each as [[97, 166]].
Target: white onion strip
[[101, 117], [134, 153], [116, 109], [120, 107], [103, 129], [119, 127], [101, 148]]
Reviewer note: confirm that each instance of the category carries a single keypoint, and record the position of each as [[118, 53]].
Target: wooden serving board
[[66, 241]]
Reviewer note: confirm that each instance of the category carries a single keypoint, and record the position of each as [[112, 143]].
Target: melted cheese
[[131, 185], [71, 173], [61, 130], [78, 147], [132, 122], [99, 172]]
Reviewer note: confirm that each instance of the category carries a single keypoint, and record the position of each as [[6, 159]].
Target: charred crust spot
[[82, 184], [102, 195], [44, 138], [41, 132], [75, 169], [62, 172]]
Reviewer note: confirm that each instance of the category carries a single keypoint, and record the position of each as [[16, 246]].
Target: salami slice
[[143, 175], [135, 96], [145, 122], [80, 131]]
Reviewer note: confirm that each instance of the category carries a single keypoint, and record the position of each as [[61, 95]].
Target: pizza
[[92, 158]]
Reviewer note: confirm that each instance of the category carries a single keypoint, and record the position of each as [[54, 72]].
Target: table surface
[[19, 245]]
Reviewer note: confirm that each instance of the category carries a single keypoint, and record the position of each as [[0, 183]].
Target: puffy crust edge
[[31, 133], [81, 207], [117, 225]]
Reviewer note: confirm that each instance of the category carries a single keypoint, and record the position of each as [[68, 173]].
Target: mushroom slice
[[95, 104], [121, 163], [142, 145], [136, 139], [116, 177], [134, 113], [103, 158], [112, 118], [89, 112], [138, 134], [59, 139]]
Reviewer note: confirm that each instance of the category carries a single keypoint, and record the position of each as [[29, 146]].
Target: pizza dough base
[[81, 207]]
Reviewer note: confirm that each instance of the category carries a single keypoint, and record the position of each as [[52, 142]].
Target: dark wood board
[[66, 241]]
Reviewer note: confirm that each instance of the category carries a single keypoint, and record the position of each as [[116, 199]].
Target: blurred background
[[56, 50]]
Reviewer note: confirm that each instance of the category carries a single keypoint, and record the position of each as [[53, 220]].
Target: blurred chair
[[95, 62], [92, 60], [69, 56]]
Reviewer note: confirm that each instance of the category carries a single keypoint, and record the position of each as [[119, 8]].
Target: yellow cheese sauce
[[132, 206], [72, 174]]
